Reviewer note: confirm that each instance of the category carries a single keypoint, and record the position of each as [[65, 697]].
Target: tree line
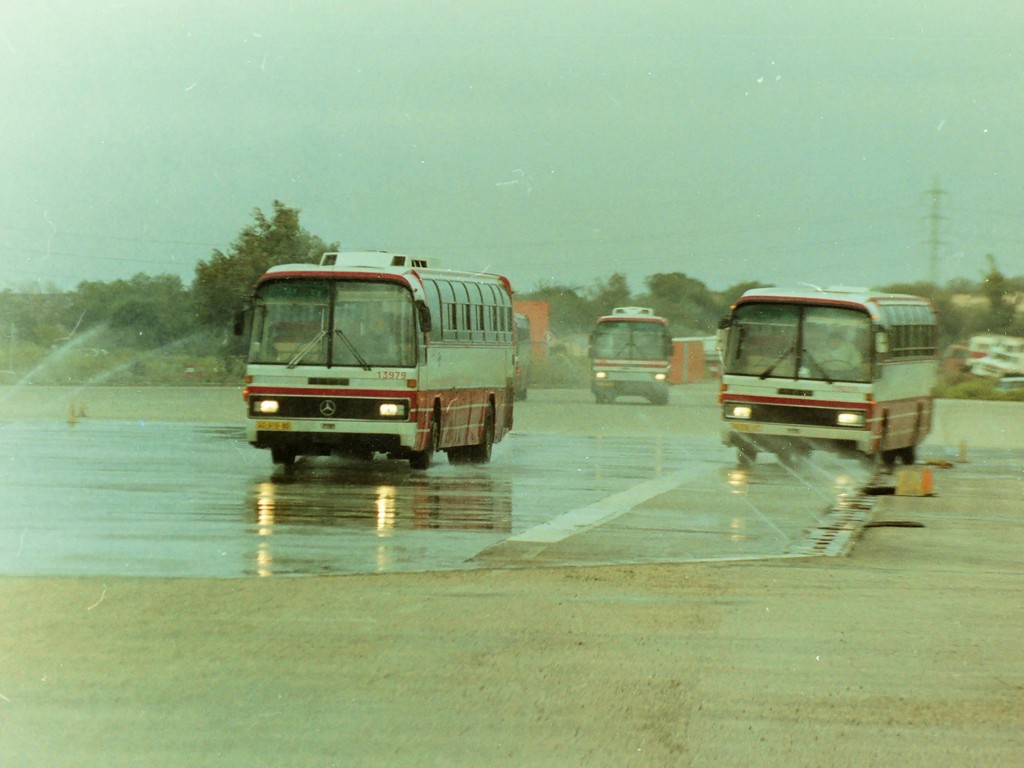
[[150, 312]]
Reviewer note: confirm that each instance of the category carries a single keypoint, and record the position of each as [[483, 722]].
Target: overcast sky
[[548, 141]]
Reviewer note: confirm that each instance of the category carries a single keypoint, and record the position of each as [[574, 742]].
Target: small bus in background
[[630, 354], [524, 355], [843, 369], [373, 352]]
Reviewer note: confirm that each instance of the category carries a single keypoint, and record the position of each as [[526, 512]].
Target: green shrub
[[560, 371], [124, 367], [968, 387]]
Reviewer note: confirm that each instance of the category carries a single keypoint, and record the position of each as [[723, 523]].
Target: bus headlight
[[601, 375], [391, 410], [850, 419], [659, 377], [268, 406], [739, 412]]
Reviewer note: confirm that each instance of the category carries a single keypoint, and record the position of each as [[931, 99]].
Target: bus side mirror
[[725, 323], [881, 342], [423, 314], [239, 322]]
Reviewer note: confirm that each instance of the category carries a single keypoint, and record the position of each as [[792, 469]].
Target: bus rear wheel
[[481, 453], [659, 398]]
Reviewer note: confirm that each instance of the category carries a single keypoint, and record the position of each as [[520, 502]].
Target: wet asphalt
[[165, 499]]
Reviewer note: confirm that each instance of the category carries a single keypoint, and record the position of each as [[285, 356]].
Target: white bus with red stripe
[[630, 354], [374, 352], [843, 369]]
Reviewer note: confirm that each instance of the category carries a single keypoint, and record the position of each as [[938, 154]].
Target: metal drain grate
[[839, 527]]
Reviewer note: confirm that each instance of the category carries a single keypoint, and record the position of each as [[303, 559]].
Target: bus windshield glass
[[630, 340], [328, 323], [290, 323], [373, 324], [800, 342]]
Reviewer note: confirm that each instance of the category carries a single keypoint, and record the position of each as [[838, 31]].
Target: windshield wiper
[[824, 374], [627, 346], [309, 345], [768, 371], [351, 348]]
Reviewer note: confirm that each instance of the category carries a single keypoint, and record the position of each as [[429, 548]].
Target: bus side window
[[490, 313], [462, 301], [448, 317], [476, 312], [505, 317], [423, 316], [433, 297]]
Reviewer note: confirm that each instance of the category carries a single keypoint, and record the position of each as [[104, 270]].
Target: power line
[[118, 238], [934, 243], [90, 257]]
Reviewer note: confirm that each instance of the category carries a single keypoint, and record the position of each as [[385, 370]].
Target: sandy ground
[[908, 651]]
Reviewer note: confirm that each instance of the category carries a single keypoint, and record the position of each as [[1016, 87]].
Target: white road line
[[584, 518]]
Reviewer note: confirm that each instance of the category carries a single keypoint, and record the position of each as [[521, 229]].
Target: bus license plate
[[273, 426], [747, 427]]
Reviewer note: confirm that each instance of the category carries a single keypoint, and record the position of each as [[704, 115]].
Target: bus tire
[[746, 453], [793, 456], [908, 455], [422, 459], [481, 453], [283, 456]]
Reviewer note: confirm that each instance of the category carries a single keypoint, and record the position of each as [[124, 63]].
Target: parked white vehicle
[[1004, 356]]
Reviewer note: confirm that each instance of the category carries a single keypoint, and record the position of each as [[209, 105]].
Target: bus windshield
[[333, 323], [800, 342], [630, 340]]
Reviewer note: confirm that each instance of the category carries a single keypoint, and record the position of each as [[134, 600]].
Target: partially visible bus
[[843, 369], [372, 352], [630, 354], [524, 356]]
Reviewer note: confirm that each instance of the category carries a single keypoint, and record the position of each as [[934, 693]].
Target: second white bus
[[630, 354], [844, 369]]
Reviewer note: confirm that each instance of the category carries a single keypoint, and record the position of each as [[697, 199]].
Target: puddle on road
[[185, 500]]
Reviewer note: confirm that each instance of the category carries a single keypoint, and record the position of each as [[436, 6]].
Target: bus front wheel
[[746, 453], [283, 456], [422, 459]]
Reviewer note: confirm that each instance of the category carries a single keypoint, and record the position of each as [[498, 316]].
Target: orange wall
[[687, 365], [537, 312]]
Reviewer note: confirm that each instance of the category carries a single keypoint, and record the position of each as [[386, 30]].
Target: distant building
[[540, 325]]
